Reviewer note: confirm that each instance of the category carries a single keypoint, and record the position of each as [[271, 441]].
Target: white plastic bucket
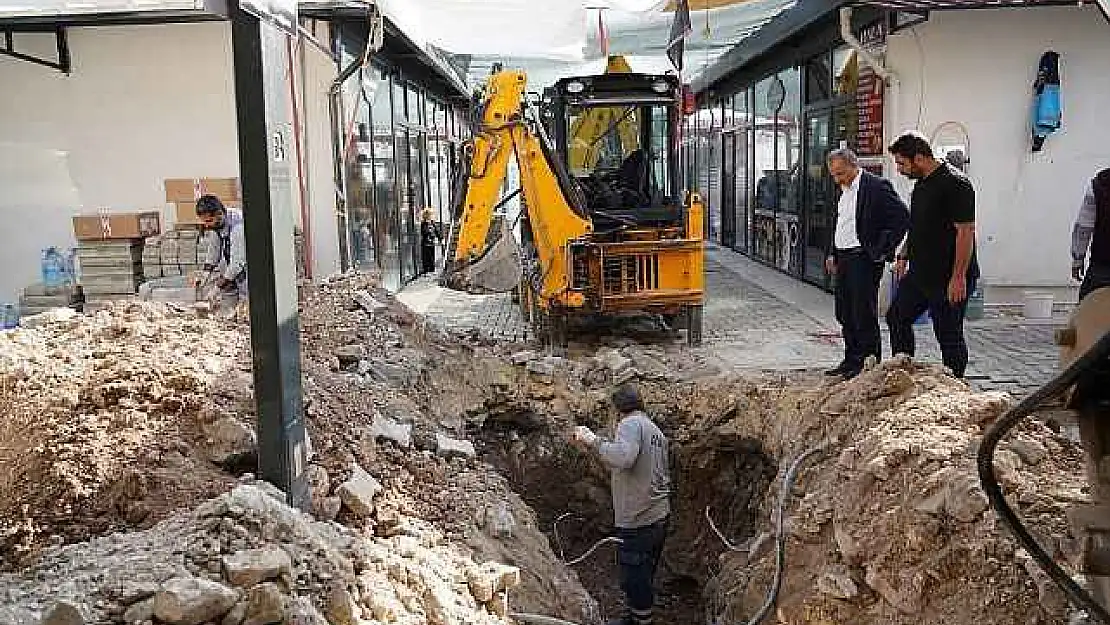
[[1038, 305]]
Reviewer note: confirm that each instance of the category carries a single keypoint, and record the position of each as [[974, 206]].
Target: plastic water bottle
[[975, 304], [52, 267], [10, 317]]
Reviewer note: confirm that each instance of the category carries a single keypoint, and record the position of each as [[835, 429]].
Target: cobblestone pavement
[[748, 327]]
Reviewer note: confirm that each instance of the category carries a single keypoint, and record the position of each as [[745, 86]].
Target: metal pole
[[265, 162]]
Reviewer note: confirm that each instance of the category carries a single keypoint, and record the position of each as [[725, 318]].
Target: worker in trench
[[641, 488], [225, 268]]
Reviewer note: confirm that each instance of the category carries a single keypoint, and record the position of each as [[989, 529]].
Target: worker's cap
[[209, 205], [627, 399]]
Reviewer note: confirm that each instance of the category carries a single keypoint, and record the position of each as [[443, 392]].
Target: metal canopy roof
[[32, 14], [942, 5]]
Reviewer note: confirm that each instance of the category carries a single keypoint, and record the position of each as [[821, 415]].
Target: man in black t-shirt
[[936, 267]]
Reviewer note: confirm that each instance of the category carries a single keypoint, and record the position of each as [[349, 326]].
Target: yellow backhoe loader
[[604, 228]]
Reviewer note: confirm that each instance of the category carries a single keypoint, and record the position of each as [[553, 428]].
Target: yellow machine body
[[574, 271]]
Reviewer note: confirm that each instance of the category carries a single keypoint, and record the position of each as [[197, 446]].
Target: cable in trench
[[780, 533]]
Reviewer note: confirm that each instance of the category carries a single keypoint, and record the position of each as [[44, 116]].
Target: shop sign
[[869, 106]]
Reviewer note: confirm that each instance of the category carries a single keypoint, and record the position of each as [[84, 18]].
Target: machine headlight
[[576, 87], [660, 86]]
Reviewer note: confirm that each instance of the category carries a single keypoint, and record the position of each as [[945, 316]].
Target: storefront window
[[741, 107], [819, 78]]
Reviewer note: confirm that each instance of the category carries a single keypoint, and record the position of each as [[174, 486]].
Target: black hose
[[780, 538], [1057, 386]]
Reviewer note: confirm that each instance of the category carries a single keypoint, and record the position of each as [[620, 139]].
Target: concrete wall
[[143, 103], [977, 68]]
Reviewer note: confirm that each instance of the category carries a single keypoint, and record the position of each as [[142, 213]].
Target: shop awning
[[32, 14]]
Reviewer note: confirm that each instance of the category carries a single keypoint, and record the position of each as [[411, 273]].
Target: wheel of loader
[[693, 325]]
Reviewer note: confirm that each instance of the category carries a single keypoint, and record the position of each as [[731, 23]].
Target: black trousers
[[638, 555], [857, 306], [1098, 276], [948, 321], [427, 258]]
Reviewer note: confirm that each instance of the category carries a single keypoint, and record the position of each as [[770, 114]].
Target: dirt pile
[[98, 414], [164, 406], [893, 526], [246, 557]]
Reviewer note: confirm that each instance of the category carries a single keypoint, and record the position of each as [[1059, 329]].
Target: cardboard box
[[182, 190], [115, 226]]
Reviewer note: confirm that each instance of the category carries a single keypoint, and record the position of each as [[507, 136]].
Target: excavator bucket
[[497, 271]]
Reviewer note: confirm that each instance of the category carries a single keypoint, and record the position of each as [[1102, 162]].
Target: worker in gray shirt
[[1092, 231], [226, 263], [641, 486]]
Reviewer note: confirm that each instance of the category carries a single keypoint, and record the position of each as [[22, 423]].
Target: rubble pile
[[438, 467], [401, 477], [387, 397], [247, 558], [98, 413], [893, 526]]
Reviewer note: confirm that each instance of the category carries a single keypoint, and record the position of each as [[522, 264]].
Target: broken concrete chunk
[[392, 430], [984, 408], [837, 582], [342, 608], [265, 605], [965, 500], [613, 360], [499, 520], [488, 579], [448, 447], [128, 591], [358, 493], [63, 613], [228, 440], [192, 601], [1031, 452], [247, 568], [367, 302]]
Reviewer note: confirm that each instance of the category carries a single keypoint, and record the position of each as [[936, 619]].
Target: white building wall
[[142, 104], [318, 73], [977, 68]]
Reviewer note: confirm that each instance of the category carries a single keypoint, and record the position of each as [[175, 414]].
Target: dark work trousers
[[857, 306], [1098, 276], [948, 321], [638, 555], [427, 257]]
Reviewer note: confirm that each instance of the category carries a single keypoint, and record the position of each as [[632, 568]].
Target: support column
[[265, 162]]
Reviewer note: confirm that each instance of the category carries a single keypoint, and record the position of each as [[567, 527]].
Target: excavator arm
[[475, 262]]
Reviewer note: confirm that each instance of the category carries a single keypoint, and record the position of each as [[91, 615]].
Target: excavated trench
[[569, 492]]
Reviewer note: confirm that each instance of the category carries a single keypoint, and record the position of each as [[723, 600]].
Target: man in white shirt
[[871, 221]]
